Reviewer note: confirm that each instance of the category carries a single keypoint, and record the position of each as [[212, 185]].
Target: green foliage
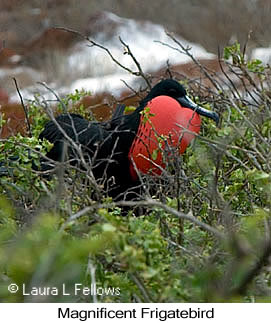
[[238, 58], [234, 52], [130, 109], [123, 250], [146, 115], [73, 99]]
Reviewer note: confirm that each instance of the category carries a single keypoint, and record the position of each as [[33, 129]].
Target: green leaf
[[154, 154]]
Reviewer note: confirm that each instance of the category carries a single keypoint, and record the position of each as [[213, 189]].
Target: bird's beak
[[186, 102]]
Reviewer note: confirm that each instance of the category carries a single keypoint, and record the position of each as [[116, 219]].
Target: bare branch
[[128, 51], [24, 107], [141, 287], [186, 51], [65, 110], [140, 72], [254, 270]]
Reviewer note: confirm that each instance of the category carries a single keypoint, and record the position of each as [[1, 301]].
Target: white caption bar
[[199, 312]]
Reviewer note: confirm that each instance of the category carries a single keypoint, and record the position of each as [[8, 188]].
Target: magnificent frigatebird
[[128, 144]]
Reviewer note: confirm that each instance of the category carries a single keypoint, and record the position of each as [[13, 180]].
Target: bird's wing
[[117, 119], [72, 128], [69, 124], [119, 111]]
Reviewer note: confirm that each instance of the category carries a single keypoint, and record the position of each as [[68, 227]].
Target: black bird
[[109, 147]]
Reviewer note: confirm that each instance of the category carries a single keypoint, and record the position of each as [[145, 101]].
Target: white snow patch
[[108, 83], [92, 69], [143, 40], [263, 54]]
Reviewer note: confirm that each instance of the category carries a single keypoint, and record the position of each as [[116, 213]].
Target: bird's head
[[176, 91]]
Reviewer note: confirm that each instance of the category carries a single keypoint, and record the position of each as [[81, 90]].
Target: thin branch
[[127, 69], [141, 73], [136, 279], [149, 202], [186, 51], [24, 107], [91, 269], [56, 95], [254, 270]]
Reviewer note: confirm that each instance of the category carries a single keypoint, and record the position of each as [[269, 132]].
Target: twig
[[76, 146], [186, 51], [24, 107], [128, 51], [168, 69], [149, 202], [56, 95], [141, 287], [94, 43], [178, 214], [91, 270], [254, 270], [135, 93], [235, 92]]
